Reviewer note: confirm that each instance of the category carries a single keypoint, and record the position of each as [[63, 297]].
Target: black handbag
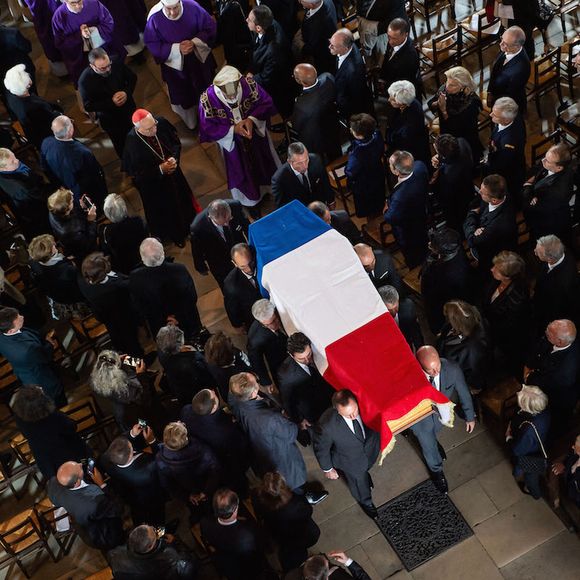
[[544, 15], [534, 463]]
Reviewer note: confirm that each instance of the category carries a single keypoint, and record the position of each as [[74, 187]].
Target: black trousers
[[360, 485]]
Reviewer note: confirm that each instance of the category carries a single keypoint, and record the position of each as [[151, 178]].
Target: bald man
[[446, 377], [380, 267], [315, 117], [96, 516]]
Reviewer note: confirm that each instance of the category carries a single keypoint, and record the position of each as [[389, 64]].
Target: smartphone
[[142, 423], [160, 532], [86, 202], [132, 361]]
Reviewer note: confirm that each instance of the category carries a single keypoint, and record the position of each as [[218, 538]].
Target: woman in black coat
[[52, 436], [288, 519], [364, 170], [108, 295]]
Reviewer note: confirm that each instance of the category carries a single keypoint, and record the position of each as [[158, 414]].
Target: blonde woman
[[458, 107]]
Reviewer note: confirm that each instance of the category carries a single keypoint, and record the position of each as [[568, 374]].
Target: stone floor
[[514, 537]]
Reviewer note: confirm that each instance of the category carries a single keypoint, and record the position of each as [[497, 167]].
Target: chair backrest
[[20, 532], [21, 448], [84, 412], [8, 380], [445, 46], [547, 68]]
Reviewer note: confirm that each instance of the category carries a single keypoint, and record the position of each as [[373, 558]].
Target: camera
[[142, 423], [160, 532]]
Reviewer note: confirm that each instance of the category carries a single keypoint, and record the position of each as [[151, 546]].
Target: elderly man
[[214, 232], [179, 34], [71, 164], [106, 88], [511, 69], [352, 92], [491, 227], [151, 158], [302, 177], [507, 145], [234, 112], [97, 517], [554, 366], [406, 209], [380, 267], [446, 377], [241, 288], [556, 290], [404, 314], [315, 118], [547, 195], [163, 290], [318, 26], [338, 220]]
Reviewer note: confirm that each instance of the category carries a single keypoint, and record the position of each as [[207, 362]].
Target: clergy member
[[179, 34], [129, 17], [151, 157], [234, 112], [78, 27]]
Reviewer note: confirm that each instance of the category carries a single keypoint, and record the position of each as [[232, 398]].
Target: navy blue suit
[[352, 92], [407, 214], [509, 80], [316, 30]]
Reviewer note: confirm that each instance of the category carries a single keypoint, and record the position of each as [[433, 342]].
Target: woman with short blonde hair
[[175, 436], [532, 399]]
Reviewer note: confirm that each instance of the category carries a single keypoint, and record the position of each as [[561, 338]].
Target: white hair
[[61, 126], [553, 247], [17, 80], [152, 252], [403, 92], [263, 310], [115, 208], [508, 107]]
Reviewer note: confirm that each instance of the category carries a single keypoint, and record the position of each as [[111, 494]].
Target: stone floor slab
[[473, 503], [518, 529], [360, 557], [381, 554], [500, 485]]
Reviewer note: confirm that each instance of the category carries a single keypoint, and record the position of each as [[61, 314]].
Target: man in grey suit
[[342, 442], [446, 377]]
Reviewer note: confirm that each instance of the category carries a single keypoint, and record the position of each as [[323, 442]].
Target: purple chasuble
[[126, 19], [42, 12], [161, 37], [252, 162], [66, 27]]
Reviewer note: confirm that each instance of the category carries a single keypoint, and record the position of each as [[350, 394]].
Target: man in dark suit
[[302, 177], [406, 209], [446, 377], [554, 366], [342, 442], [285, 13], [404, 314], [557, 283], [507, 146], [401, 61], [315, 118], [31, 356], [337, 219], [547, 195], [352, 92], [241, 288], [97, 517], [380, 267], [511, 70], [266, 342], [491, 227], [162, 289], [106, 88], [214, 232], [318, 26], [134, 475], [271, 65], [305, 394]]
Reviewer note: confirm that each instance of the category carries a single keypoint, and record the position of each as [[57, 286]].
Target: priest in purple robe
[[129, 17], [234, 112], [179, 34], [78, 27]]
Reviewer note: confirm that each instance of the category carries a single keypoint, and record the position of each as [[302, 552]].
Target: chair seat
[[494, 398], [25, 536], [443, 52], [543, 77]]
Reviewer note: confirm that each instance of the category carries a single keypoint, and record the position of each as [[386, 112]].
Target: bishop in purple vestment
[[179, 34], [234, 112], [75, 44]]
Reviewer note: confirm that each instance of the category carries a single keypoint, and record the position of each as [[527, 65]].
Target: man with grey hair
[[557, 284], [164, 291], [214, 232], [266, 342], [406, 209], [511, 70], [68, 163], [554, 366], [404, 314], [302, 177]]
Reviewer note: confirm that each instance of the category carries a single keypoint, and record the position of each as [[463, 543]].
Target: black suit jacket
[[352, 92], [341, 222], [209, 249], [402, 65], [408, 324], [335, 445], [510, 80], [239, 297], [286, 185], [385, 272], [263, 343], [316, 31]]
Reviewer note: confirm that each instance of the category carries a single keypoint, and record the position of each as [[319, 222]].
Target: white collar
[[559, 348], [311, 86], [508, 57], [502, 127], [436, 380], [304, 367], [12, 334], [82, 484], [552, 266], [401, 179], [343, 56], [397, 48], [491, 207], [222, 523], [310, 13], [135, 455], [55, 259], [297, 173]]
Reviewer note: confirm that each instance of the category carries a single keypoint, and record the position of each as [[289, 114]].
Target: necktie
[[305, 181], [252, 280], [358, 429], [390, 52], [432, 380]]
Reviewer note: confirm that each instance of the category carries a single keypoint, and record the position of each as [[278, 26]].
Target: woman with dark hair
[[52, 436], [108, 294], [364, 169], [287, 517]]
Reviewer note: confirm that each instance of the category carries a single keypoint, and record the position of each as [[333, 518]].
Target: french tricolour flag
[[320, 288]]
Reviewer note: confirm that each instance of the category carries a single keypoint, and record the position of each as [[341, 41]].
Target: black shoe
[[439, 481], [315, 497], [370, 510], [441, 451]]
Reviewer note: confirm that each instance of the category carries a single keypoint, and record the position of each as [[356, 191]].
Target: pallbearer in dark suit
[[241, 288], [343, 443], [380, 267], [404, 314], [338, 220]]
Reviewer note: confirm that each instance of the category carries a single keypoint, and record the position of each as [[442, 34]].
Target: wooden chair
[[338, 181], [9, 382], [91, 330], [22, 535], [427, 8], [500, 400], [441, 52], [479, 34], [21, 448], [545, 77], [569, 73], [49, 519], [566, 7], [14, 469]]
